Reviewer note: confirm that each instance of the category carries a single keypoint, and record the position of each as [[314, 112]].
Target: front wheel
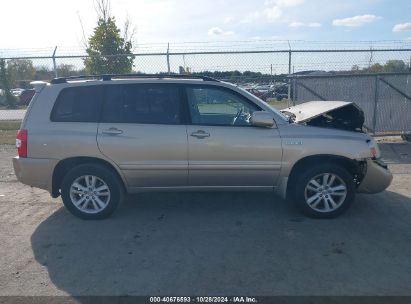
[[91, 191], [324, 191]]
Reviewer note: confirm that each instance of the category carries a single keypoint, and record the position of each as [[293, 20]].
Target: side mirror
[[262, 119]]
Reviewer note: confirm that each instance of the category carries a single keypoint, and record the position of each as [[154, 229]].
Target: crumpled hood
[[335, 114], [312, 109]]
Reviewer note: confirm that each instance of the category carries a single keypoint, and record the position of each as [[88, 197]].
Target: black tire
[[298, 190], [106, 175]]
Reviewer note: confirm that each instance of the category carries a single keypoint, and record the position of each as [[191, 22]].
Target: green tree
[[43, 73], [355, 68], [108, 51], [376, 68], [65, 70], [391, 66], [20, 70], [395, 66], [5, 84]]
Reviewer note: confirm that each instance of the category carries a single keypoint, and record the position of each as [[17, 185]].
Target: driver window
[[214, 106]]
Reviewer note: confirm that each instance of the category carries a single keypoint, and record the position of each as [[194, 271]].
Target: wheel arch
[[63, 166], [354, 167]]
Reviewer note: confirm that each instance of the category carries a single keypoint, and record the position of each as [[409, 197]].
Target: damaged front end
[[371, 174], [328, 114], [376, 177]]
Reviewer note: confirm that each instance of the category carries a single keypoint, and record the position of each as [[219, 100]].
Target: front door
[[142, 131], [225, 150]]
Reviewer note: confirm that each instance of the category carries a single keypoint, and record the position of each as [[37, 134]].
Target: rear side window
[[142, 103], [78, 104]]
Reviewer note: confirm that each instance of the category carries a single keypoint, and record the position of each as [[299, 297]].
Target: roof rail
[[108, 77]]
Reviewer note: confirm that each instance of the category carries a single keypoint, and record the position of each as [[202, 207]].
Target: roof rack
[[108, 77]]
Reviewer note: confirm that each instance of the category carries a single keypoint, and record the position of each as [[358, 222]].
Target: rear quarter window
[[142, 104], [78, 104]]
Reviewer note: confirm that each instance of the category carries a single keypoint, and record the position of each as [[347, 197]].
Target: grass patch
[[17, 107], [10, 125], [219, 108], [8, 130]]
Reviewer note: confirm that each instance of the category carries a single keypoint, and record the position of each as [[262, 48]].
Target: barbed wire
[[204, 46]]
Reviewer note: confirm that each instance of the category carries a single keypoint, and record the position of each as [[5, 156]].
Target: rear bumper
[[377, 177], [34, 172]]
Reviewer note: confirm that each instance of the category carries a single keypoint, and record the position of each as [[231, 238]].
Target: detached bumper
[[377, 178], [34, 172]]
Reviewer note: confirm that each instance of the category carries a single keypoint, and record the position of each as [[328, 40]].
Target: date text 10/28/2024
[[239, 299]]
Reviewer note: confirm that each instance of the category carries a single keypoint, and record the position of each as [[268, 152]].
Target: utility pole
[[371, 57]]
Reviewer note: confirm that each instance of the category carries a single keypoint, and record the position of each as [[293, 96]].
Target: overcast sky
[[45, 23]]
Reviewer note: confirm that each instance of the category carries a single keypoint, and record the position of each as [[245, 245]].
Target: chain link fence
[[385, 98], [273, 70]]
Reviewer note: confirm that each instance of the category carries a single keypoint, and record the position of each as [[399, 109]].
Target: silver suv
[[92, 140]]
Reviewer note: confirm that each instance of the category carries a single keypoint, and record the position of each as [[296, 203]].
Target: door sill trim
[[200, 188]]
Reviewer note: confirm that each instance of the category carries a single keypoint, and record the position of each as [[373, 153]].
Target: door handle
[[200, 134], [112, 131]]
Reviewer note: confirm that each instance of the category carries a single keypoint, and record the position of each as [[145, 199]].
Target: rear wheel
[[91, 191], [324, 191]]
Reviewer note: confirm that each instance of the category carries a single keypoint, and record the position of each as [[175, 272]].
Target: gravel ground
[[206, 243]]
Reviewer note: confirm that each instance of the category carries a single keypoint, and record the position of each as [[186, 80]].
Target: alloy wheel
[[325, 192], [89, 194]]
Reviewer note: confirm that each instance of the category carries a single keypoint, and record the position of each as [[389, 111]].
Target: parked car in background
[[92, 140], [256, 93], [26, 96], [278, 91], [16, 92]]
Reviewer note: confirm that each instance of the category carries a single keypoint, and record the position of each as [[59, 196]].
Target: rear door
[[225, 150], [142, 131]]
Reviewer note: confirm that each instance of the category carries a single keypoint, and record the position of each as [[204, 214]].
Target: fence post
[[168, 58], [54, 62], [376, 93], [289, 73], [294, 91]]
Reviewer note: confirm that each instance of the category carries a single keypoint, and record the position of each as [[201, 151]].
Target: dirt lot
[[206, 243]]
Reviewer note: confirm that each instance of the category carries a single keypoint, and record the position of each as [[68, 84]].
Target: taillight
[[21, 143]]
